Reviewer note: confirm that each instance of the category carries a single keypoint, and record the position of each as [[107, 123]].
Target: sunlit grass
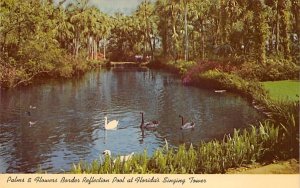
[[283, 90]]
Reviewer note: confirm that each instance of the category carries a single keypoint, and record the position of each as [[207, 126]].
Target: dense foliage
[[254, 30], [38, 36]]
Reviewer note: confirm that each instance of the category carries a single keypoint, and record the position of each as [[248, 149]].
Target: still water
[[69, 118]]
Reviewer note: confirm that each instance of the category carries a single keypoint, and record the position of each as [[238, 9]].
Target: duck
[[150, 124], [123, 158], [111, 125], [188, 125], [32, 107]]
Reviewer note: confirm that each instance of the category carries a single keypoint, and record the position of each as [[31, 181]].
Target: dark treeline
[[60, 38]]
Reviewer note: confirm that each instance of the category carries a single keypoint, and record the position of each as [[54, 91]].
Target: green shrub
[[272, 69], [182, 66], [63, 69], [10, 75], [286, 116], [95, 63]]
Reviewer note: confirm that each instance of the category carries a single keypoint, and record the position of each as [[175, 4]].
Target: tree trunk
[[223, 20], [150, 44], [104, 48], [96, 49], [203, 48], [194, 36], [285, 22], [297, 21], [88, 47], [93, 48], [277, 29], [174, 41], [154, 45], [75, 47], [186, 53], [165, 41]]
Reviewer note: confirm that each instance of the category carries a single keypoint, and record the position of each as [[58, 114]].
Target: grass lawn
[[283, 90]]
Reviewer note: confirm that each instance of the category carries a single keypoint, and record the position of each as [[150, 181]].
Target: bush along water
[[64, 66], [286, 117]]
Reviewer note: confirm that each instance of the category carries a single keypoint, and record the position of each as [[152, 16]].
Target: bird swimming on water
[[32, 107], [111, 125], [188, 125], [150, 124]]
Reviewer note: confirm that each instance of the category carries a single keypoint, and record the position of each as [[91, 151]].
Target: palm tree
[[146, 24], [105, 30], [64, 28]]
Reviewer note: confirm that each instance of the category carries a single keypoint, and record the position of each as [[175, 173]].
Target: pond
[[69, 116]]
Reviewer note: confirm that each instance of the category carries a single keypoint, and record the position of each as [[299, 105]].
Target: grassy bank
[[275, 138]]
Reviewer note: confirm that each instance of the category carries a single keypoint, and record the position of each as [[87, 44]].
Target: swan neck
[[142, 118], [105, 121], [181, 120]]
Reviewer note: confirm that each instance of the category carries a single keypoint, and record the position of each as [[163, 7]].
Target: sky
[[112, 6]]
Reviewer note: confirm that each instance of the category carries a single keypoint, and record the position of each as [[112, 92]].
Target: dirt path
[[281, 167]]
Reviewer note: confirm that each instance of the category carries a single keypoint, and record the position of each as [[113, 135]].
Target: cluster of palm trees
[[83, 27]]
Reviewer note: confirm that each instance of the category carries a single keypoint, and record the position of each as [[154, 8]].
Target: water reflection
[[70, 117]]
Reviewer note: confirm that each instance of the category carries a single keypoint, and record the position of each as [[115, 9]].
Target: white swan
[[150, 124], [111, 125], [122, 158], [188, 125]]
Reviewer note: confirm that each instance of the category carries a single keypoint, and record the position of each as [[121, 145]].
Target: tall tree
[[260, 30], [186, 51], [285, 27]]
